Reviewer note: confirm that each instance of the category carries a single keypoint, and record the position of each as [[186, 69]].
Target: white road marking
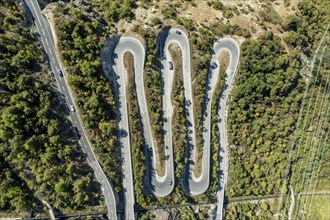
[[53, 59], [47, 44], [36, 14]]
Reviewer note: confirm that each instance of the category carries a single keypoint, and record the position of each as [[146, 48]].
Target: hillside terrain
[[39, 156], [278, 116]]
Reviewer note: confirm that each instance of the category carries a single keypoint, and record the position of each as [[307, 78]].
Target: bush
[[156, 21], [270, 15], [217, 5]]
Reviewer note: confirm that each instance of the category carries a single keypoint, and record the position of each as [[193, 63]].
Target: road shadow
[[161, 39], [189, 167]]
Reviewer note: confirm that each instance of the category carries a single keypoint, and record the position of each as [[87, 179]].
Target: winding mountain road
[[163, 185], [119, 75], [160, 185]]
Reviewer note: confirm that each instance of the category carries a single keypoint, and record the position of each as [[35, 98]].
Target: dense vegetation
[[112, 11], [266, 102], [80, 41], [311, 156], [266, 96], [270, 15], [308, 170], [39, 156], [307, 26]]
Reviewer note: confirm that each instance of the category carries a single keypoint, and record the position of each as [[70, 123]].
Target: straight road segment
[[43, 28]]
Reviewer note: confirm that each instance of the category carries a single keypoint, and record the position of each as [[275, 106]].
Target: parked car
[[178, 32], [171, 65], [59, 72]]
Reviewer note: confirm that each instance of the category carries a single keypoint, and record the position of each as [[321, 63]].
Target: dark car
[[178, 32], [171, 65], [77, 132], [51, 73], [59, 72], [214, 65]]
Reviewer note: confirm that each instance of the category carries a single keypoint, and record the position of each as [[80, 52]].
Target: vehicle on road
[[59, 73], [51, 73], [42, 28], [77, 132], [72, 108], [188, 102], [214, 65], [171, 65], [170, 182], [178, 32]]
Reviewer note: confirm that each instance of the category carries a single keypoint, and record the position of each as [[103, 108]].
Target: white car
[[72, 108]]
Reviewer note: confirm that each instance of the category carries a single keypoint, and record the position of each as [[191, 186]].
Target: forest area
[[265, 106], [39, 156], [80, 42]]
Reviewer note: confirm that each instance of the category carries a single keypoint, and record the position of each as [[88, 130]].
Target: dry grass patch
[[136, 135], [224, 60], [179, 119]]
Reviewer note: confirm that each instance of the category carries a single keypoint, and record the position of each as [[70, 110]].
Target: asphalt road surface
[[120, 76], [232, 47], [44, 30]]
